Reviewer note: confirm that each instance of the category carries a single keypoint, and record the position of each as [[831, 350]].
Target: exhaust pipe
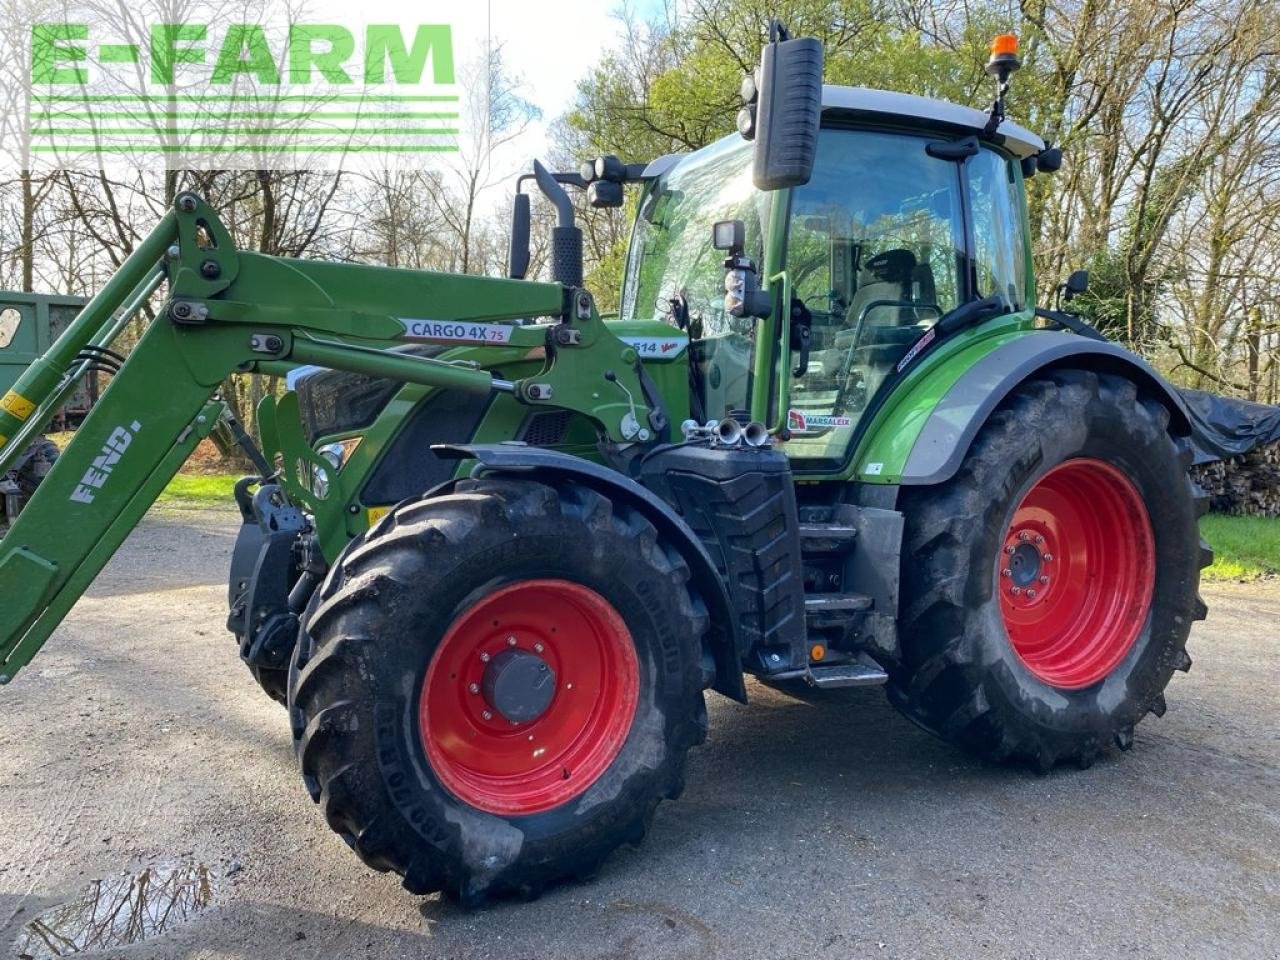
[[755, 434], [728, 431]]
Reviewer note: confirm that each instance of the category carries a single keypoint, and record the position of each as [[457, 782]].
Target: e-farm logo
[[242, 94]]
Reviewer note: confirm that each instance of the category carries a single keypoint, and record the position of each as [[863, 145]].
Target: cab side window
[[999, 244]]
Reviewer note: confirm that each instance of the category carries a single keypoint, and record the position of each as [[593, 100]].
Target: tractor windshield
[[674, 273]]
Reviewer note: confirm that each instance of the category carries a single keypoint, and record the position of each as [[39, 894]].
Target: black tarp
[[1223, 427]]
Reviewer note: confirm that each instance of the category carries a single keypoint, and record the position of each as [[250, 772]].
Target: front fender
[[948, 430], [535, 462]]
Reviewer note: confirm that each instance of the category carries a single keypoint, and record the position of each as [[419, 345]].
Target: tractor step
[[846, 675], [842, 603], [819, 538], [826, 612]]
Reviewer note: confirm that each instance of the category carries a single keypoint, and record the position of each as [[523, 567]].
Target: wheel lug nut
[[1006, 572], [1044, 579], [1047, 557], [1039, 539], [1024, 536], [1016, 591], [511, 641], [474, 688], [484, 658], [1008, 550], [537, 648], [1031, 594], [487, 715]]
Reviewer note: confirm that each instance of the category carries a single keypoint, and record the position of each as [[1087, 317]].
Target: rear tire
[[432, 786], [1083, 460]]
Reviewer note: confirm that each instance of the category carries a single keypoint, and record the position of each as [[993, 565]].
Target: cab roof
[[862, 103], [887, 106]]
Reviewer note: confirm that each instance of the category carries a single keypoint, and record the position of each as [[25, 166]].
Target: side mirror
[[1076, 284], [788, 109], [518, 253], [1049, 160]]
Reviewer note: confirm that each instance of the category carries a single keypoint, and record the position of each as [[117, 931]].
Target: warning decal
[[16, 405]]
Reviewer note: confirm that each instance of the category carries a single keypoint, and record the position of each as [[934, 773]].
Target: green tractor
[[499, 546]]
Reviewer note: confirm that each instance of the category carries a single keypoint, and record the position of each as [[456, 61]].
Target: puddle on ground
[[118, 911]]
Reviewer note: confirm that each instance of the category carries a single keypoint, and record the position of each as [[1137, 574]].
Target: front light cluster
[[335, 454]]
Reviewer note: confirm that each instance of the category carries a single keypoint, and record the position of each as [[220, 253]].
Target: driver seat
[[887, 276]]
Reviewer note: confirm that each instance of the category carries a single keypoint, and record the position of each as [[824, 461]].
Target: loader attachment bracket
[[204, 261]]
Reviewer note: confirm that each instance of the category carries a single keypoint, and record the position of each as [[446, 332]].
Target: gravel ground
[[807, 830]]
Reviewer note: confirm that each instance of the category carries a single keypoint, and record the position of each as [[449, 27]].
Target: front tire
[[494, 688], [43, 455], [1048, 588]]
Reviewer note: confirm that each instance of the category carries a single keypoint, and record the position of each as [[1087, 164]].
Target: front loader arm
[[227, 311]]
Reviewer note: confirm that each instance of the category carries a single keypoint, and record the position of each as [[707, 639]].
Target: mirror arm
[[1070, 322]]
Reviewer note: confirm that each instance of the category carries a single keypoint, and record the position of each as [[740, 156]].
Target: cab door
[[880, 247]]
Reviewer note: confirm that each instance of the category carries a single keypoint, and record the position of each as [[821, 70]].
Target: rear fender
[[535, 462], [955, 420]]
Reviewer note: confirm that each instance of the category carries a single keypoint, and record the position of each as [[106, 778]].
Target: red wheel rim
[[507, 766], [1076, 572]]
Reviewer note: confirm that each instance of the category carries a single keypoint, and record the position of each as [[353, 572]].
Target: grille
[[546, 428]]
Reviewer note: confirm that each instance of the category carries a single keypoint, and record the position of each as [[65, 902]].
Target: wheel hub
[[1028, 560], [1024, 565], [519, 685]]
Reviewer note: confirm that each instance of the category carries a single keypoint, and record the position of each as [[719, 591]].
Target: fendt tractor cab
[[499, 546]]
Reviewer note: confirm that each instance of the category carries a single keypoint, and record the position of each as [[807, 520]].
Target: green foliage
[[1244, 548], [1106, 304], [199, 490], [678, 90], [603, 277]]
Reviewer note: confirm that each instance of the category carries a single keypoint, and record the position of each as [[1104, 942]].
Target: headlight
[[335, 454]]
